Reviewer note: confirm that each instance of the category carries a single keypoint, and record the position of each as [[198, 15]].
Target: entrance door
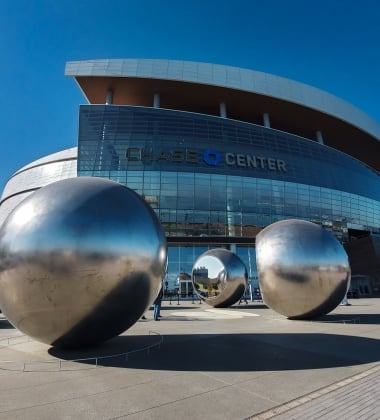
[[186, 288]]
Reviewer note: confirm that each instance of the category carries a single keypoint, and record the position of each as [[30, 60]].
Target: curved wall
[[209, 176], [41, 172]]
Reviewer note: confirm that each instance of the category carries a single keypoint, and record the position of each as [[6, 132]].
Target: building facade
[[219, 153], [37, 174]]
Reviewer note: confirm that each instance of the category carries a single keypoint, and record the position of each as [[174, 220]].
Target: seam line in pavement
[[282, 408]]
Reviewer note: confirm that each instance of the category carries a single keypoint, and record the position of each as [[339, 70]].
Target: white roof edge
[[65, 154], [228, 77]]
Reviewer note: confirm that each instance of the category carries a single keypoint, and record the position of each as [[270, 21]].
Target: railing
[[178, 297], [66, 365]]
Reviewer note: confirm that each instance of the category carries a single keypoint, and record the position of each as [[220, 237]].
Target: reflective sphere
[[219, 277], [80, 261], [303, 270]]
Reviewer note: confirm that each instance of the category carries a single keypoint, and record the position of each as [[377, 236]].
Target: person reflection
[[157, 305]]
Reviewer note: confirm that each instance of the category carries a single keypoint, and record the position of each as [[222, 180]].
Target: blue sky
[[329, 44]]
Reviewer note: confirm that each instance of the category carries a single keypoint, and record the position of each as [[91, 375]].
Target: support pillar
[[319, 137], [222, 110], [156, 100], [266, 120], [109, 97]]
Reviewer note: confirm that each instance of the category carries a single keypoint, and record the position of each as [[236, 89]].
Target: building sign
[[210, 157], [213, 157]]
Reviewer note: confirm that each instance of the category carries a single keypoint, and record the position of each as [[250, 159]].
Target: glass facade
[[217, 182]]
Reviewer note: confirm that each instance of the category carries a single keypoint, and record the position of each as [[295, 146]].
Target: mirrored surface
[[303, 270], [219, 277], [80, 261]]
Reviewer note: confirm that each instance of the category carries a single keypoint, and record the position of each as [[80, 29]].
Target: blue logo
[[212, 157]]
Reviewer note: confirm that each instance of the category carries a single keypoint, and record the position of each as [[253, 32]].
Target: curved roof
[[25, 179], [36, 174], [200, 87], [62, 155]]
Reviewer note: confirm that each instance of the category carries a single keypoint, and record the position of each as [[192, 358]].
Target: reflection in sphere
[[80, 261], [219, 277], [303, 270]]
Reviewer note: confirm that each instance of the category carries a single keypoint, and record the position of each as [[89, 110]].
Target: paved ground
[[203, 363]]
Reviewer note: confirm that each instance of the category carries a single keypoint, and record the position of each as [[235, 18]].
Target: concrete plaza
[[203, 363]]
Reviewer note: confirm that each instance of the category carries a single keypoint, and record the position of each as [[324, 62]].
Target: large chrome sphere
[[219, 277], [303, 270], [80, 261]]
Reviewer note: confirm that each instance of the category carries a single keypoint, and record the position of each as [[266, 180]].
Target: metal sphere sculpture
[[303, 270], [219, 277], [80, 262]]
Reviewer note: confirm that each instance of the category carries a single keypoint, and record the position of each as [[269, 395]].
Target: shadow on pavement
[[350, 318], [5, 324], [231, 352]]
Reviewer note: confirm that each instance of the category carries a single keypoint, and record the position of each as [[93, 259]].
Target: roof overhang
[[199, 87]]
